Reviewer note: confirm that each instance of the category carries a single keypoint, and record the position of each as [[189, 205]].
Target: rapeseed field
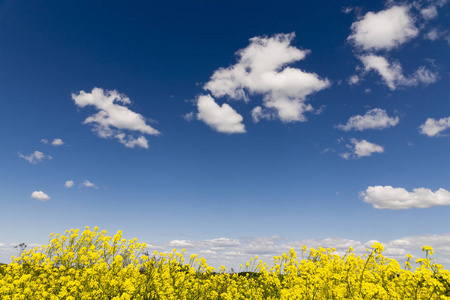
[[93, 265]]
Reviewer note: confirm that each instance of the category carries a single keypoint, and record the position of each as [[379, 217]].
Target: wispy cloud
[[258, 113], [376, 118], [392, 73], [87, 183], [35, 157], [56, 142]]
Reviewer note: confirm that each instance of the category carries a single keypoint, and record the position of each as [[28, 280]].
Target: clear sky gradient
[[229, 128]]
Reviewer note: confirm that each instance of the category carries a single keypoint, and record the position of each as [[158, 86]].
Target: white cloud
[[365, 148], [231, 252], [385, 30], [35, 157], [212, 244], [387, 197], [345, 155], [181, 243], [376, 118], [69, 184], [57, 142], [259, 113], [353, 80], [87, 183], [361, 148], [429, 12], [114, 119], [423, 75], [40, 195], [347, 10], [220, 118], [132, 142], [234, 252], [320, 110], [261, 69], [433, 127], [433, 35], [447, 38], [392, 73], [189, 116], [326, 150]]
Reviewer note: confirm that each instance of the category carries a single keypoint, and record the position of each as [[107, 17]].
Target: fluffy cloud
[[387, 197], [392, 73], [429, 12], [35, 157], [353, 80], [433, 127], [361, 148], [57, 142], [385, 30], [433, 35], [220, 118], [114, 119], [365, 148], [87, 183], [262, 69], [40, 195], [69, 184], [376, 118]]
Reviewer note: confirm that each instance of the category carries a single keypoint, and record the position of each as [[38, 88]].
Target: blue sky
[[228, 128]]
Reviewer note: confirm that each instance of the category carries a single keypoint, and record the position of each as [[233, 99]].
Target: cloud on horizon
[[232, 252], [235, 251]]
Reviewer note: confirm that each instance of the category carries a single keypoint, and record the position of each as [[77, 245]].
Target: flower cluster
[[92, 265]]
